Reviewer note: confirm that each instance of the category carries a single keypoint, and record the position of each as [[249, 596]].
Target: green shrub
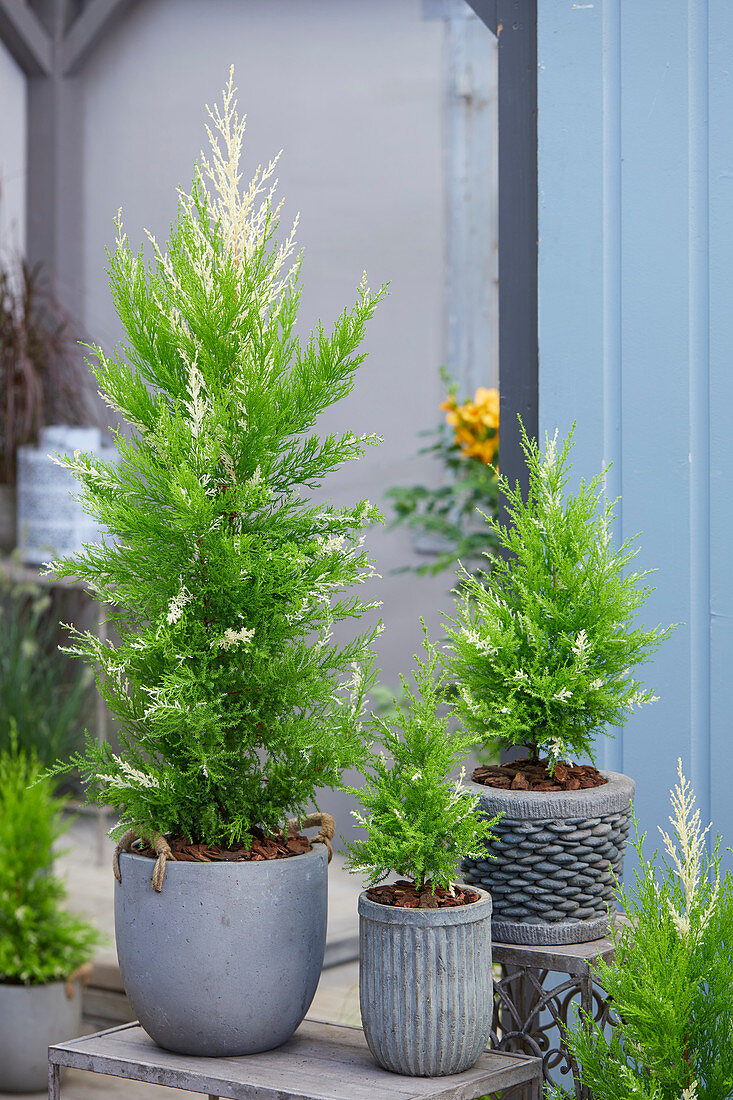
[[419, 823], [39, 940], [671, 981], [545, 642], [224, 580], [42, 694]]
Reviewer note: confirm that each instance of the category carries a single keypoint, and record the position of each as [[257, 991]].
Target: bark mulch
[[262, 847], [523, 775], [403, 895]]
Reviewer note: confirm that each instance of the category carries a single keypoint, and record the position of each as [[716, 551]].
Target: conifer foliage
[[223, 579], [419, 823], [545, 641], [670, 984]]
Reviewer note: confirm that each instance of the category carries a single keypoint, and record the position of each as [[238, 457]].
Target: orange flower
[[475, 423]]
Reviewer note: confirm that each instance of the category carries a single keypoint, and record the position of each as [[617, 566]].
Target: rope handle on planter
[[162, 849], [81, 974], [327, 829]]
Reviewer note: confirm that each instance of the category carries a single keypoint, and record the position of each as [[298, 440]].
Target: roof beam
[[87, 30], [25, 37]]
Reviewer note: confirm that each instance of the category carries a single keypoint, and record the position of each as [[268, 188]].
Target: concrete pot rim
[[247, 867], [612, 797], [428, 918]]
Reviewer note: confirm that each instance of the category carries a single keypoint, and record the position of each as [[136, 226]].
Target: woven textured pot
[[225, 960], [32, 1017], [425, 985], [556, 856]]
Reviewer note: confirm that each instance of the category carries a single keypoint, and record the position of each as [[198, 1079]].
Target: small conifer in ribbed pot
[[224, 583], [544, 648], [425, 979]]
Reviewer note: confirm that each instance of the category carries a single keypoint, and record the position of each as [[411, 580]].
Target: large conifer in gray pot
[[224, 583], [425, 980], [543, 650]]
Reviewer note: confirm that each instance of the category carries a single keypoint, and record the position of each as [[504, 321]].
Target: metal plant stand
[[320, 1062], [529, 1011]]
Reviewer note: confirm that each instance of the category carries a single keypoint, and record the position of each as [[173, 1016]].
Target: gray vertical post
[[54, 1081], [515, 24]]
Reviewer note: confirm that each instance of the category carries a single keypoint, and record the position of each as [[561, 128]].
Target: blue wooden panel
[[636, 331], [570, 193], [720, 159]]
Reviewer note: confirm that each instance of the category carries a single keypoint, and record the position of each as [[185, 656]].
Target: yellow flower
[[475, 423]]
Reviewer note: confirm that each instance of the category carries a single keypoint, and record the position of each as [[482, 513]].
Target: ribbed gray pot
[[425, 985], [32, 1017], [225, 960], [556, 856]]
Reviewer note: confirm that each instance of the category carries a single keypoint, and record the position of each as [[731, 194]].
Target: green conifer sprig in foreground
[[544, 643], [671, 981], [224, 581], [39, 941], [419, 823]]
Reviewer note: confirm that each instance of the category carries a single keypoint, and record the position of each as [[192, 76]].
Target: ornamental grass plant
[[670, 984], [419, 822], [39, 940], [224, 582], [545, 642]]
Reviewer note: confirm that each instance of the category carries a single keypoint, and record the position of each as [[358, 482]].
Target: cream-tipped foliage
[[224, 582], [671, 981], [418, 822], [546, 641]]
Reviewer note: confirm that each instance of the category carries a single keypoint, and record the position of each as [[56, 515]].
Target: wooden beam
[[26, 39], [87, 30]]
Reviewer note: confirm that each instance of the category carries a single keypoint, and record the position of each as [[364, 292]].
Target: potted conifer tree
[[425, 981], [224, 583], [543, 650], [44, 950]]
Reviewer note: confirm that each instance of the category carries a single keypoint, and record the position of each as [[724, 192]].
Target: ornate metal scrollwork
[[529, 1017]]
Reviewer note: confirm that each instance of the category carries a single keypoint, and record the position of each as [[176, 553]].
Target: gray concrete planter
[[225, 960], [425, 985], [557, 854], [32, 1017]]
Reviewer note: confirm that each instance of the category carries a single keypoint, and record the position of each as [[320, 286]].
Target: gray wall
[[12, 154]]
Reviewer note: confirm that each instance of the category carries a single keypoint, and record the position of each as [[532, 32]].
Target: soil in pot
[[261, 847], [534, 775], [405, 895]]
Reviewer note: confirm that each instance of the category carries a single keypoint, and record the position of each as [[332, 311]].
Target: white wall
[[12, 154], [353, 93]]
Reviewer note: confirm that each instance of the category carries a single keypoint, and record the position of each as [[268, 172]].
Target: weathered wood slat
[[320, 1062]]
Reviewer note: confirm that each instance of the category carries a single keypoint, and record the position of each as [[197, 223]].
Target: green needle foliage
[[671, 981], [544, 643], [224, 580], [39, 941], [419, 823]]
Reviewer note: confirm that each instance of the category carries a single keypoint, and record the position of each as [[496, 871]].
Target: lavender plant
[[224, 581], [418, 822], [545, 641]]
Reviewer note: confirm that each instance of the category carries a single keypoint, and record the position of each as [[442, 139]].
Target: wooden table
[[320, 1062]]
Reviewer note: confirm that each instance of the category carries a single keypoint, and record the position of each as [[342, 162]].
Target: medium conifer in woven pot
[[224, 583], [544, 647]]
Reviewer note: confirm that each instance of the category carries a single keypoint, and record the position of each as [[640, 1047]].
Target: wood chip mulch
[[523, 775], [262, 847], [403, 895]]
